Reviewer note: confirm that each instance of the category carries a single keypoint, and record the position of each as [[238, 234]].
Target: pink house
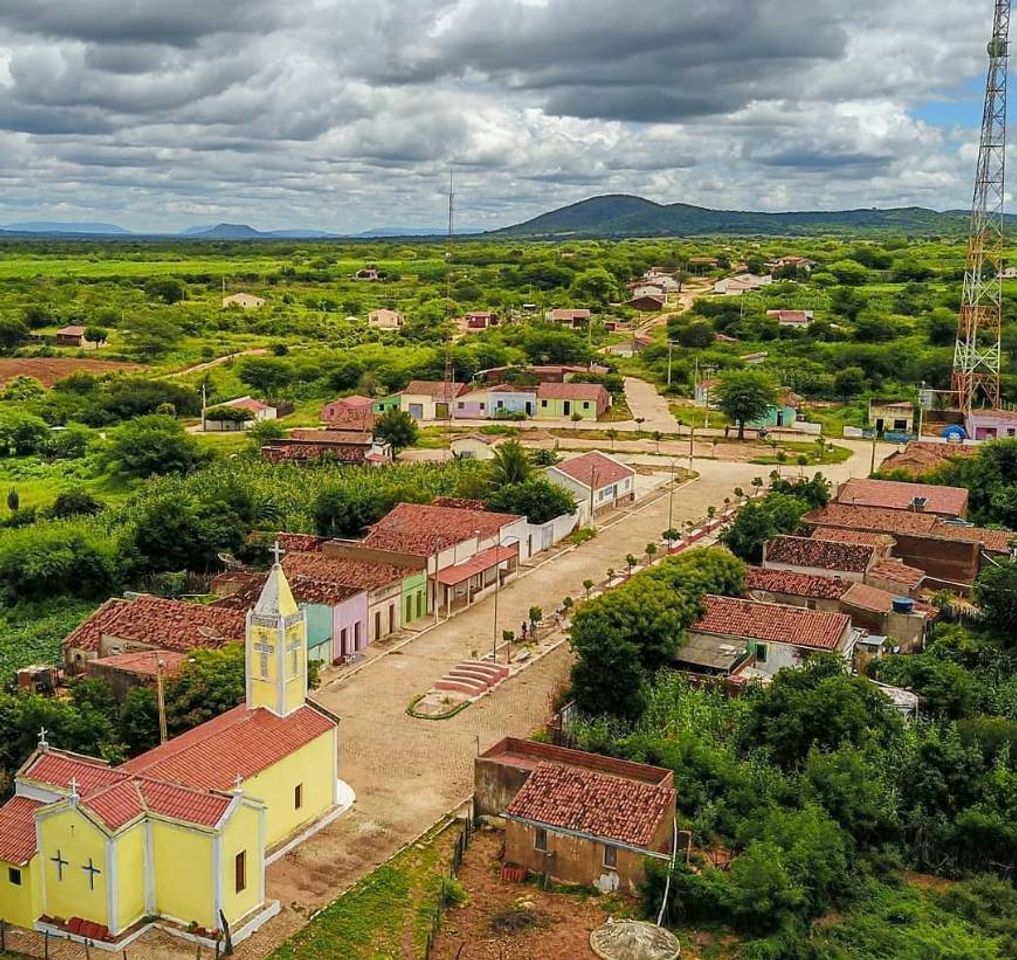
[[349, 413], [992, 424]]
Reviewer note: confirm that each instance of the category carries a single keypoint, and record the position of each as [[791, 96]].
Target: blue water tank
[[903, 605], [954, 432]]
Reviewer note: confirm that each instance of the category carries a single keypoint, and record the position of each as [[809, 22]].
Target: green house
[[414, 597]]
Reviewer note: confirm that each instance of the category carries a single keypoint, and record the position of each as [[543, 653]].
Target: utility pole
[[160, 699], [670, 346]]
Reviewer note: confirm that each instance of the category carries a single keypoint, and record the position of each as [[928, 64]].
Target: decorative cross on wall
[[60, 864], [42, 737], [264, 650], [277, 552], [92, 870], [74, 787]]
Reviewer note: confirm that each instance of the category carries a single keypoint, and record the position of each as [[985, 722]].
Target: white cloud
[[338, 114]]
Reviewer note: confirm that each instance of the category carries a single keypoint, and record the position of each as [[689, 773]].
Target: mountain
[[620, 215], [56, 226], [225, 231]]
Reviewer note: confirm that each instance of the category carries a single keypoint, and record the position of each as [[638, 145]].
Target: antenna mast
[[977, 354]]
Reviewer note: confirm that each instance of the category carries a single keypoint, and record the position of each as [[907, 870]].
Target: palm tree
[[587, 586], [657, 435], [651, 551], [630, 562], [511, 464]]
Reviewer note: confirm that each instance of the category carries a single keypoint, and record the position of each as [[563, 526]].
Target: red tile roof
[[72, 330], [158, 622], [771, 622], [240, 741], [592, 803], [920, 457], [819, 554], [341, 437], [564, 314], [436, 389], [478, 563], [17, 830], [347, 572], [847, 535], [595, 467], [420, 529], [571, 391], [248, 403], [143, 663], [795, 584], [300, 542], [998, 414], [908, 522], [900, 495], [899, 572], [869, 598], [57, 768]]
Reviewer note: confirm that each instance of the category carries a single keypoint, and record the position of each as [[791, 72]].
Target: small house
[[851, 561], [991, 424], [568, 317], [596, 480], [892, 416], [776, 635], [385, 319], [783, 414], [430, 399], [367, 273], [70, 336], [480, 320], [741, 283], [243, 301], [341, 446], [349, 413], [647, 302], [563, 400], [577, 817], [498, 401], [791, 318]]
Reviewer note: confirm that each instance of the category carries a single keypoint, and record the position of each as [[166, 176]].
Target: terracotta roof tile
[[900, 495], [419, 529], [143, 663], [909, 523], [921, 456], [57, 769], [820, 554], [771, 622], [847, 535], [869, 598], [795, 584], [240, 741], [607, 469], [571, 391], [347, 573], [158, 622], [592, 803], [564, 314], [896, 571], [436, 389], [17, 830], [180, 803]]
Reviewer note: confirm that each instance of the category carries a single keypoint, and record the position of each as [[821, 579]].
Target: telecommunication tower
[[449, 370], [977, 354]]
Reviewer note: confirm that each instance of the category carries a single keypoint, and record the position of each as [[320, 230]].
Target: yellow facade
[[20, 902], [242, 834], [183, 873], [313, 768], [70, 843], [129, 862]]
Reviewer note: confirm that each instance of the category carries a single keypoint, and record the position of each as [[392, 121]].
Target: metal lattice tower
[[449, 369], [977, 354]]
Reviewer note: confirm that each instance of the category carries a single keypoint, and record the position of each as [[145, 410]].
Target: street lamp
[[497, 591]]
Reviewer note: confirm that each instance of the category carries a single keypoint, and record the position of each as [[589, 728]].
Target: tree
[[13, 333], [538, 499], [151, 337], [849, 382], [266, 375], [94, 334], [595, 285], [24, 388], [397, 428], [760, 520], [264, 431], [511, 464], [695, 336], [152, 445], [13, 500], [168, 290], [21, 433], [996, 596], [76, 502], [745, 395], [209, 683]]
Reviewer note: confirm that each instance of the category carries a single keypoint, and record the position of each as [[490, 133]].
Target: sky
[[347, 115]]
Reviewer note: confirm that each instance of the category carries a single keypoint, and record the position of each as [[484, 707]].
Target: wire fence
[[45, 945], [458, 852]]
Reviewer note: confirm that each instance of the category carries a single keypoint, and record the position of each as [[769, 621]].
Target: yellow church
[[179, 836]]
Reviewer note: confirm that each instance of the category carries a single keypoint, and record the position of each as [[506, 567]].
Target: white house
[[741, 283], [595, 479], [474, 446]]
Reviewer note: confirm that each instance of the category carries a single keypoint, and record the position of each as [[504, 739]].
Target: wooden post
[[160, 700], [45, 945], [87, 954]]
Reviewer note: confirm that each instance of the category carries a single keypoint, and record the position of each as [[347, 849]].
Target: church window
[[14, 876], [294, 660], [298, 796], [240, 871]]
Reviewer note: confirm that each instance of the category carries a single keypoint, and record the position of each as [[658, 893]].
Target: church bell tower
[[276, 648]]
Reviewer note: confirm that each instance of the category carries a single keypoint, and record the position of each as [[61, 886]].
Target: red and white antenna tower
[[977, 354]]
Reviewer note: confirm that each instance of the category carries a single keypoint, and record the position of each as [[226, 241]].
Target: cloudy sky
[[346, 114]]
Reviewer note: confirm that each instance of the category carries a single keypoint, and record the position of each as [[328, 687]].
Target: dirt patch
[[926, 881], [47, 370], [518, 920]]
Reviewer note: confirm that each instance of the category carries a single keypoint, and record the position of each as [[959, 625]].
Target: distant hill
[[620, 215], [56, 226], [225, 231]]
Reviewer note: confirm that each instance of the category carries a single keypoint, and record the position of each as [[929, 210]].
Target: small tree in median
[[396, 427], [745, 395]]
